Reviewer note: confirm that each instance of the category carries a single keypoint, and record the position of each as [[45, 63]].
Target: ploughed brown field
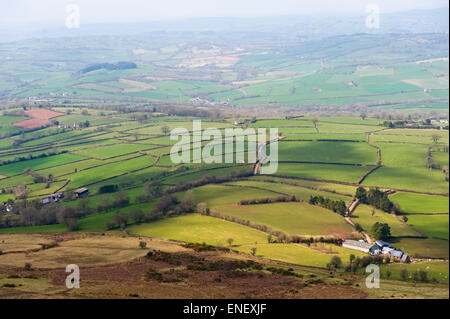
[[38, 118]]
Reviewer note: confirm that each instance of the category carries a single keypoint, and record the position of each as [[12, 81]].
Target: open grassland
[[200, 229], [89, 251], [419, 203], [22, 242]]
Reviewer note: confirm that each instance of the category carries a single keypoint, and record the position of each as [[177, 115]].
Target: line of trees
[[268, 200], [337, 206]]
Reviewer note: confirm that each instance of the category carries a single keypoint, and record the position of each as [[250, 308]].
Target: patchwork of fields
[[330, 161]]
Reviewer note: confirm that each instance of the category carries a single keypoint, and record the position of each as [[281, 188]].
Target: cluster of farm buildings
[[378, 248], [53, 198]]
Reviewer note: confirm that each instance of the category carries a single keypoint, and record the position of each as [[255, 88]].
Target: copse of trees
[[335, 263], [118, 203], [336, 206], [376, 198], [380, 231], [108, 189], [120, 220], [31, 214], [151, 190], [168, 205]]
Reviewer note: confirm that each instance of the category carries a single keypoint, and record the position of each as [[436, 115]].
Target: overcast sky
[[14, 13]]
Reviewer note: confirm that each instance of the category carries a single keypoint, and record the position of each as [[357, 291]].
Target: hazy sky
[[15, 13]]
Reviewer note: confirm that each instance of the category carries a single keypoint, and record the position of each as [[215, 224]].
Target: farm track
[[352, 207], [379, 162], [352, 223]]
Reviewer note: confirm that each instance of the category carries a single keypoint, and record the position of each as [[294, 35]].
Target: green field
[[297, 191], [200, 229], [363, 216], [430, 225], [112, 150], [345, 173], [403, 166], [331, 152], [39, 163], [429, 247], [419, 203], [435, 269], [291, 218]]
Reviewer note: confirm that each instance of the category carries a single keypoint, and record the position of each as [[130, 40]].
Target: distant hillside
[[122, 65]]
